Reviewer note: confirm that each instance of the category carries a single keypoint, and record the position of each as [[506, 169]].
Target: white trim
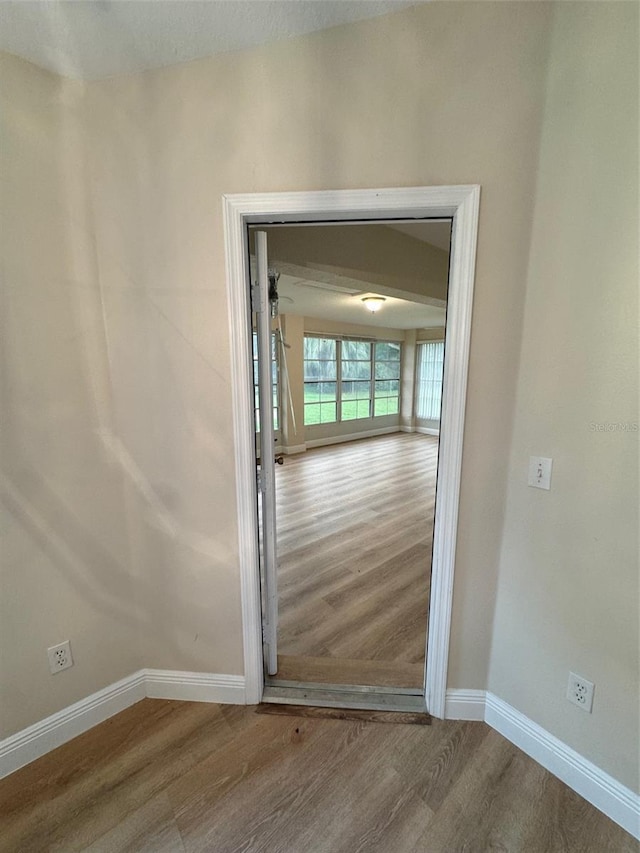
[[462, 204], [465, 705], [239, 308], [603, 791], [292, 449], [427, 430], [454, 385], [195, 686], [351, 436], [36, 740], [420, 429], [600, 789]]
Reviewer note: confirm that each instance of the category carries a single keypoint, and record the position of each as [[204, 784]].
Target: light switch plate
[[540, 472]]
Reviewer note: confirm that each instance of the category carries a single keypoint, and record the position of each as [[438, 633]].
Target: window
[[387, 379], [274, 377], [320, 380], [429, 388], [355, 384], [346, 380]]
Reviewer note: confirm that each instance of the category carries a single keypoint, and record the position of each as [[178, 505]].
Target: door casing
[[461, 203]]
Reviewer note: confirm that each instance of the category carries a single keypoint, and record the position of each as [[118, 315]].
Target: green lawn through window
[[317, 412]]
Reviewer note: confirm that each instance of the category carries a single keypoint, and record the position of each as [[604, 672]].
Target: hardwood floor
[[180, 777], [355, 528]]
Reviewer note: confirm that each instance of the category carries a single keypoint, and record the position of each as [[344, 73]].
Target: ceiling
[[96, 39], [332, 302]]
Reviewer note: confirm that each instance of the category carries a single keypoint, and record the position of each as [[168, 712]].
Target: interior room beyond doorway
[[356, 411]]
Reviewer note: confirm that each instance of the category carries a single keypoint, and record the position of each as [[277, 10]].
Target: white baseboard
[[603, 791], [420, 429], [352, 436], [465, 705], [195, 686], [37, 740], [292, 449], [40, 738]]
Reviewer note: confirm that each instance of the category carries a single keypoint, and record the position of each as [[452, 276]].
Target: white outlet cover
[[540, 472], [580, 692], [60, 657]]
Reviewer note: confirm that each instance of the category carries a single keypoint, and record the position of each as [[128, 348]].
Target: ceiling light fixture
[[373, 303]]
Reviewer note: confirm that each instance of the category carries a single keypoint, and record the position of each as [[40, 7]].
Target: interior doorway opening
[[357, 315], [461, 203]]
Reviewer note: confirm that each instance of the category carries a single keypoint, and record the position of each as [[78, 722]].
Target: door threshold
[[274, 681], [326, 696]]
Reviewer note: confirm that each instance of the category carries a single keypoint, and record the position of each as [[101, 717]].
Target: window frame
[[375, 380], [419, 380], [339, 340], [319, 402]]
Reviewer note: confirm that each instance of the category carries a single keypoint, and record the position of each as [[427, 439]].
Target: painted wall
[[464, 85], [568, 595], [68, 571], [163, 275]]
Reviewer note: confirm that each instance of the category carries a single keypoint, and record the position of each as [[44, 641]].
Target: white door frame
[[459, 202]]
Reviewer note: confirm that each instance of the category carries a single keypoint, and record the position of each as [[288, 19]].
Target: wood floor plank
[[149, 744], [327, 670], [399, 718], [150, 829], [185, 777], [355, 525], [278, 789]]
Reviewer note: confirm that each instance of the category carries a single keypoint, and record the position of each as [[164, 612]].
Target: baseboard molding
[[465, 705], [292, 449], [603, 791], [37, 740], [40, 738], [427, 431], [420, 429], [195, 686], [352, 436]]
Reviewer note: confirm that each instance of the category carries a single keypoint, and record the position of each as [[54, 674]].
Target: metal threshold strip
[[334, 696]]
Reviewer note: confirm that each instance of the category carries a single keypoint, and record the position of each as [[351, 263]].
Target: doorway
[[461, 205], [353, 308]]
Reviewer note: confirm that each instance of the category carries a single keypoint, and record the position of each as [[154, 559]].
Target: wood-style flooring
[[355, 531], [180, 777]]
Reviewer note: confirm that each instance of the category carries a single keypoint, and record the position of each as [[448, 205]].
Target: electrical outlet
[[580, 692], [60, 657]]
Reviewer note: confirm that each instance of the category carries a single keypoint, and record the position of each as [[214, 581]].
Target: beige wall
[[161, 149], [568, 590], [66, 563], [161, 280], [430, 334], [171, 366], [292, 383], [440, 93]]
